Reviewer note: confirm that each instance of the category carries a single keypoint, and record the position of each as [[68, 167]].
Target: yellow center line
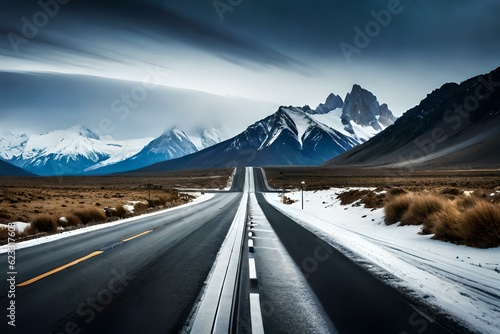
[[53, 271], [137, 236]]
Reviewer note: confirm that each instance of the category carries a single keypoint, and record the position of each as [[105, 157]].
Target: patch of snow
[[18, 226], [364, 132], [462, 281], [301, 120], [332, 120]]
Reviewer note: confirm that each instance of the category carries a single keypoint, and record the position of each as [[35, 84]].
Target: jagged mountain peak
[[363, 108]]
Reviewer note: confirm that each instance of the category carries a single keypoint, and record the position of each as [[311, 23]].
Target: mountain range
[[295, 135], [290, 136], [456, 126], [78, 150]]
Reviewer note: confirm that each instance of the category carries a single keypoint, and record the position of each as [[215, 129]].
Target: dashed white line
[[252, 270], [256, 314]]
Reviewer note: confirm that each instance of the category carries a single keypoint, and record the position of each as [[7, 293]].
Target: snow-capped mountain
[[79, 150], [170, 145], [294, 136], [65, 152], [204, 136]]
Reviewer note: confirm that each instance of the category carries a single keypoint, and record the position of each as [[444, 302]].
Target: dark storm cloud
[[75, 26], [271, 33], [429, 29]]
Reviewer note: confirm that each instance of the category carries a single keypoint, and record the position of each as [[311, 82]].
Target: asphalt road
[[147, 284], [145, 276], [354, 300]]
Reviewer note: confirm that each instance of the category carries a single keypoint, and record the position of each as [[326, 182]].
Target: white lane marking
[[252, 270], [256, 314], [263, 238], [260, 230]]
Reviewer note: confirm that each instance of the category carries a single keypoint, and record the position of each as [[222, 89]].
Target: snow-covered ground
[[461, 281], [29, 243]]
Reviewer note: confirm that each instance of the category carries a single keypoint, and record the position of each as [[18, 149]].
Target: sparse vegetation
[[480, 225], [43, 223], [366, 197], [421, 206], [395, 207], [91, 215], [141, 207], [121, 211], [70, 220], [472, 221]]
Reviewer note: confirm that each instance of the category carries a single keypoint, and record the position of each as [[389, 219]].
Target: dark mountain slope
[[456, 126]]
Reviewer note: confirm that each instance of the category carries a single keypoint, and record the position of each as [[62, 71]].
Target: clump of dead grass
[[43, 223], [467, 220], [395, 207], [421, 207], [91, 216], [368, 198], [480, 225], [69, 220]]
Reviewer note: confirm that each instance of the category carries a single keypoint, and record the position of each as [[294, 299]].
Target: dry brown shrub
[[44, 223], [445, 225], [396, 192], [481, 225], [421, 207], [4, 215], [140, 207], [71, 220], [160, 201], [395, 207], [351, 196], [121, 211], [4, 232], [466, 202], [373, 200], [452, 191], [91, 215]]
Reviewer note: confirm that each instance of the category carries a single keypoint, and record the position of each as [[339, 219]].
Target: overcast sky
[[236, 59]]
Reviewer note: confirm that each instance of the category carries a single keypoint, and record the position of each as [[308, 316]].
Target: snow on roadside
[[462, 281], [38, 241], [19, 227]]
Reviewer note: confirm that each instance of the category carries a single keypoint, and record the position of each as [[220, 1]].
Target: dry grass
[[421, 207], [121, 211], [91, 216], [141, 207], [395, 207], [70, 220], [26, 198], [368, 198], [445, 225], [480, 225], [43, 223], [467, 220]]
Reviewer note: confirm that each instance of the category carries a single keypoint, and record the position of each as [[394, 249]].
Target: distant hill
[[11, 170], [456, 126]]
